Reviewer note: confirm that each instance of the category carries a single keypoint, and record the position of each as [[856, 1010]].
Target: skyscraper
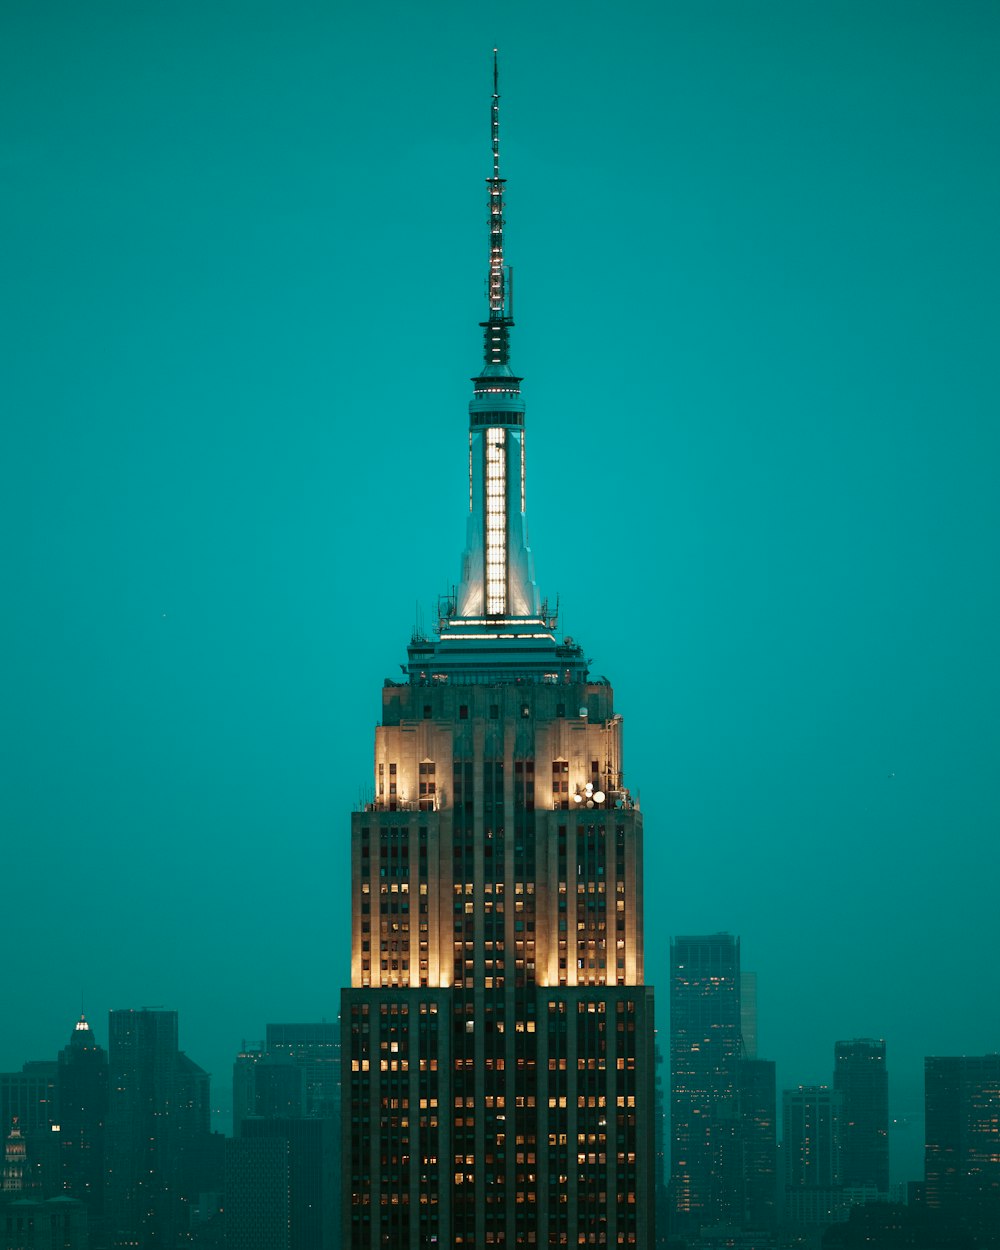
[[748, 1013], [757, 1095], [498, 1036], [31, 1095], [83, 1109], [861, 1079], [315, 1049], [158, 1118], [281, 1183], [705, 1051], [245, 1083], [811, 1154], [962, 1155]]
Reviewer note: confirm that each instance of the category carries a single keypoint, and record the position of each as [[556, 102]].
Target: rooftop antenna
[[499, 315]]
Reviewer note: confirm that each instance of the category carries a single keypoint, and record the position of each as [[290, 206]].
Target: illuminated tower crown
[[495, 621], [497, 576]]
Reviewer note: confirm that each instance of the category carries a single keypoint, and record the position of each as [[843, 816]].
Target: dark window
[[463, 712]]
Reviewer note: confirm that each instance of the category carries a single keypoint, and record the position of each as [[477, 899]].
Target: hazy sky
[[243, 260]]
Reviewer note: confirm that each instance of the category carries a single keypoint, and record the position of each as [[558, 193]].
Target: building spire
[[496, 338], [496, 118], [494, 620], [497, 572]]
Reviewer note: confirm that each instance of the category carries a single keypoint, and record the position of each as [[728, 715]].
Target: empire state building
[[497, 1034]]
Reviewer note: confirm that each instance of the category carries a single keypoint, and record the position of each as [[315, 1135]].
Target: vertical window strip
[[496, 520]]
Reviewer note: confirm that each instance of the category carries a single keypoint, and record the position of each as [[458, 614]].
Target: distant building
[[31, 1095], [757, 1093], [748, 1013], [705, 1051], [43, 1174], [811, 1155], [661, 1147], [257, 1193], [962, 1156], [280, 1086], [200, 1159], [157, 1126], [315, 1048], [245, 1083], [43, 1224], [861, 1080], [83, 1110], [282, 1180], [897, 1226]]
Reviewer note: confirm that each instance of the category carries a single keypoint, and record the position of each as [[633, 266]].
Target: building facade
[[498, 1034], [861, 1079], [281, 1184], [757, 1094], [748, 1013], [83, 1110], [315, 1049], [157, 1130], [44, 1224], [811, 1116], [705, 1052], [962, 1153], [31, 1095]]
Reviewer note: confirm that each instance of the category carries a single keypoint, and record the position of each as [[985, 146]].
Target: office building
[[280, 1087], [315, 1049], [282, 1180], [705, 1051], [748, 1013], [83, 1109], [811, 1155], [962, 1154], [257, 1193], [35, 1223], [31, 1095], [757, 1095], [861, 1079], [245, 1083], [662, 1148], [498, 1035], [157, 1126]]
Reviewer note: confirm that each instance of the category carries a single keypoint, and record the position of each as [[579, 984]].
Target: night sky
[[243, 259]]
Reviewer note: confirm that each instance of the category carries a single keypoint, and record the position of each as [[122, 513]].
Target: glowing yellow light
[[496, 520]]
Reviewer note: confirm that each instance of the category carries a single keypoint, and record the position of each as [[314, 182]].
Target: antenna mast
[[497, 326], [498, 276]]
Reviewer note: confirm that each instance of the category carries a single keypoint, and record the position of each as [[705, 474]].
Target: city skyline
[[781, 232]]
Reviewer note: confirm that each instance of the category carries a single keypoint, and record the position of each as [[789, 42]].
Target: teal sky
[[243, 263]]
